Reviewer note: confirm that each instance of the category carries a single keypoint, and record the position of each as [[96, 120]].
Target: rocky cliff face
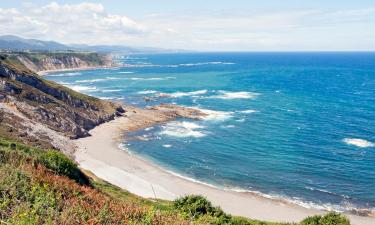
[[27, 102], [56, 61]]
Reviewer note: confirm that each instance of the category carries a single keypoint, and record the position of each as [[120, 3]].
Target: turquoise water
[[299, 126]]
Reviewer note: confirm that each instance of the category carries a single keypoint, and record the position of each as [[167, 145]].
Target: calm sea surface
[[299, 126]]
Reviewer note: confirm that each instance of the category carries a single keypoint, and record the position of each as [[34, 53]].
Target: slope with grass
[[45, 187]]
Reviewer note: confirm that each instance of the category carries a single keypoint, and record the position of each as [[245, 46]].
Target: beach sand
[[100, 153], [45, 72]]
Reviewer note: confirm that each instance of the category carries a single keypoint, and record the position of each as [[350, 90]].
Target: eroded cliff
[[35, 110]]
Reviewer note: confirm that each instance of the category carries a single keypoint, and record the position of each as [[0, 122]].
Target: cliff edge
[[36, 111]]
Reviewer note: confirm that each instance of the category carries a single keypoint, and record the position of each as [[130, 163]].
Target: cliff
[[38, 111], [43, 61]]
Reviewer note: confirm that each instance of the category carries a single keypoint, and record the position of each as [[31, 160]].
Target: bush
[[328, 219], [195, 206], [62, 165]]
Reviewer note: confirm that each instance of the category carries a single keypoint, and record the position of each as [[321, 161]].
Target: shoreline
[[100, 153], [46, 72]]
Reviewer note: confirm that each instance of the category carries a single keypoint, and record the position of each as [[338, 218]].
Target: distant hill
[[15, 43], [11, 42]]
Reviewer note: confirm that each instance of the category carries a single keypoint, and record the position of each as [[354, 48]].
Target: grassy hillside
[[45, 187]]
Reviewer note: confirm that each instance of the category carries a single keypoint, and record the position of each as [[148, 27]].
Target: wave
[[182, 94], [80, 88], [206, 63], [111, 90], [98, 80], [149, 128], [183, 129], [248, 111], [151, 78], [167, 146], [215, 115], [179, 65], [235, 95], [126, 72], [304, 203], [111, 98], [358, 142], [72, 74], [146, 92]]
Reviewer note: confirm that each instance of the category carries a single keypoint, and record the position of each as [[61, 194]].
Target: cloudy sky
[[208, 25]]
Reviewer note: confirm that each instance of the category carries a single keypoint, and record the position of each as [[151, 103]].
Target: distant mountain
[[11, 42], [15, 43]]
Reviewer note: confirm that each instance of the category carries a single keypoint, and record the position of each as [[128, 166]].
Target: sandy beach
[[45, 72], [100, 153]]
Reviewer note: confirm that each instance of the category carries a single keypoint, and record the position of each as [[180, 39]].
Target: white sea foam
[[215, 115], [106, 98], [82, 88], [182, 94], [146, 92], [298, 201], [167, 146], [90, 81], [111, 98], [72, 74], [248, 111], [149, 128], [235, 95], [111, 90], [206, 63], [98, 80], [359, 142], [63, 83], [126, 72], [183, 129], [178, 65], [151, 78]]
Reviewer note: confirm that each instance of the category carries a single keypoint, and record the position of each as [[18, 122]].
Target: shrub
[[328, 219], [195, 206], [62, 165]]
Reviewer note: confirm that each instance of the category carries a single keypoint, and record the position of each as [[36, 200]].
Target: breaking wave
[[235, 95], [359, 142], [183, 129], [182, 94], [72, 74]]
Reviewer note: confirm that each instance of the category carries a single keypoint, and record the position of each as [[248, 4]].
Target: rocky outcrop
[[37, 62], [29, 97]]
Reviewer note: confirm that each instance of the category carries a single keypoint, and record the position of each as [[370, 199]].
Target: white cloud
[[78, 23], [90, 23]]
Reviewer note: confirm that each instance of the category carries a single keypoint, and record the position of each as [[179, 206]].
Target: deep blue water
[[299, 126]]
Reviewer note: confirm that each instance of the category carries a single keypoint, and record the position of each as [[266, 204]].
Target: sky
[[204, 25]]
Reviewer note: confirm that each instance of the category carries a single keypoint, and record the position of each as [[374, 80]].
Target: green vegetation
[[329, 219], [45, 187]]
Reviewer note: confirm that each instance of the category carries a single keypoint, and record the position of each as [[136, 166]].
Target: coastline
[[100, 153], [45, 72]]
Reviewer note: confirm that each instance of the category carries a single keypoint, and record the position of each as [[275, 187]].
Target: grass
[[45, 187]]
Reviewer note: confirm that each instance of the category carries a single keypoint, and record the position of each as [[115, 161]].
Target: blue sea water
[[299, 126]]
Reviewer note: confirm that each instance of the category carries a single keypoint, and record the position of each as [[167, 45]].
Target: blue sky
[[236, 25]]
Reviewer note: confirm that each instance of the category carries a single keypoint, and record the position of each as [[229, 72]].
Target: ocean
[[292, 126]]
